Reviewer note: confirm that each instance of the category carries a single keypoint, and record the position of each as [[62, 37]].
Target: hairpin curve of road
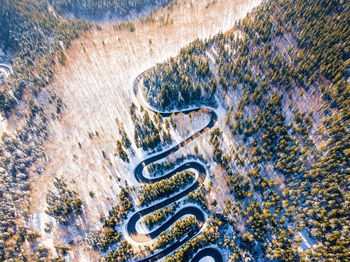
[[6, 69], [188, 210]]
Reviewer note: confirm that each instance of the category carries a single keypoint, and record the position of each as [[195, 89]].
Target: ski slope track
[[188, 210]]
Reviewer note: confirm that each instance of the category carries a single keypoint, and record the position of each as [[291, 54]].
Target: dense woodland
[[149, 133], [107, 8], [287, 48], [176, 231], [63, 203], [159, 216], [165, 188], [37, 39], [187, 78], [207, 237], [27, 28]]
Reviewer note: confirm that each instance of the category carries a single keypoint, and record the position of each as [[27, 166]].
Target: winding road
[[6, 69], [188, 210]]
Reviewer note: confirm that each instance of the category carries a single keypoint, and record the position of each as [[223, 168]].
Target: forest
[[160, 215], [187, 77], [149, 133], [165, 188], [100, 9], [37, 39], [25, 29], [64, 203], [281, 77], [176, 232], [285, 48]]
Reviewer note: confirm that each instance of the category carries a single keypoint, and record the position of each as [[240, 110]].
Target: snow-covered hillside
[[96, 88]]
